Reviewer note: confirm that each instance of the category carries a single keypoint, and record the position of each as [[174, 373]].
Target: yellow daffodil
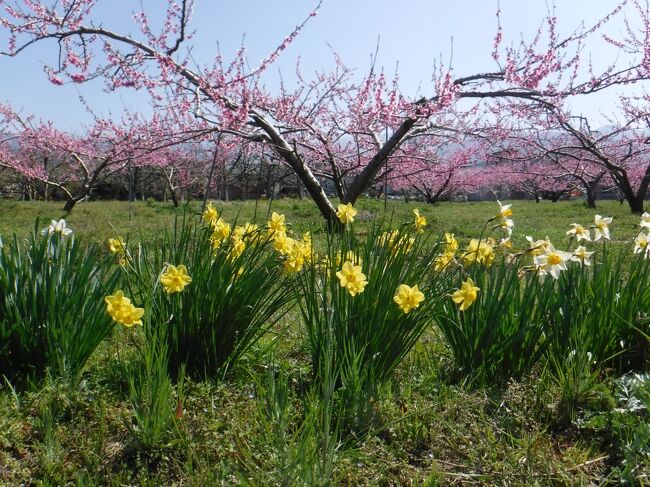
[[579, 232], [441, 261], [248, 232], [581, 255], [295, 260], [480, 252], [552, 262], [451, 242], [132, 316], [466, 294], [282, 243], [601, 227], [116, 302], [237, 247], [175, 278], [122, 311], [210, 214], [220, 232], [116, 246], [420, 221], [351, 278], [346, 213], [408, 298], [276, 224], [397, 242]]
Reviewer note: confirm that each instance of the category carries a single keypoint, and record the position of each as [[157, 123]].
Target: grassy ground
[[434, 431], [98, 221]]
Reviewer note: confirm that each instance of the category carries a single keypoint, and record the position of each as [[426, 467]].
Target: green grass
[[99, 220], [434, 431]]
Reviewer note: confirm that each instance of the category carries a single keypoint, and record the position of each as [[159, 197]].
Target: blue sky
[[413, 33]]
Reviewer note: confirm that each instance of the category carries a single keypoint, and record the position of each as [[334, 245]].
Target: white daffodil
[[579, 232], [552, 262], [601, 227], [581, 255], [507, 224], [505, 211], [645, 220], [641, 244], [59, 227]]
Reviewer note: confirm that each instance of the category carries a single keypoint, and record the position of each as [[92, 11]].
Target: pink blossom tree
[[331, 127]]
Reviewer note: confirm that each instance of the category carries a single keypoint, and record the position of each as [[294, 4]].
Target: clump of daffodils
[[174, 278], [120, 308]]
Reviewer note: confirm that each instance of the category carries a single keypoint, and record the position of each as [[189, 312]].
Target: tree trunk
[[591, 198], [636, 204]]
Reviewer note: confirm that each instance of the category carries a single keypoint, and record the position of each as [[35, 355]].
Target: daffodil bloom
[[116, 246], [481, 252], [505, 211], [601, 227], [581, 255], [237, 247], [116, 302], [538, 247], [505, 243], [641, 244], [220, 232], [58, 227], [452, 243], [579, 232], [295, 260], [552, 262], [248, 232], [282, 243], [131, 317], [276, 223], [175, 278], [466, 294], [351, 278], [122, 311], [441, 261], [408, 298], [507, 224], [210, 215], [645, 220], [346, 213], [420, 221]]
